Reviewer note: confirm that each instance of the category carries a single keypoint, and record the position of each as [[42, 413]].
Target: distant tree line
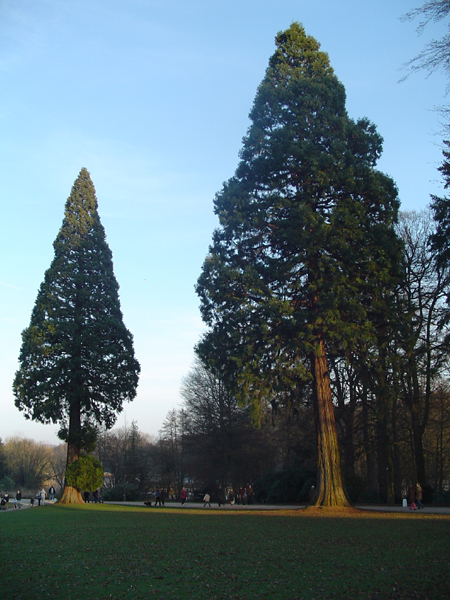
[[29, 465]]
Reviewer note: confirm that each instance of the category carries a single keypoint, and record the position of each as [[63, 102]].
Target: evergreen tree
[[77, 363], [440, 207], [305, 243]]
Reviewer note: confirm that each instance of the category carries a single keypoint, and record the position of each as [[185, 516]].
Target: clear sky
[[152, 97]]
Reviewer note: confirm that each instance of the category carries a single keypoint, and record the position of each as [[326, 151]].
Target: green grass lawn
[[103, 551]]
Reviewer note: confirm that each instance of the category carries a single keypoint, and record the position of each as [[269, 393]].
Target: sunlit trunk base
[[330, 488], [332, 511], [71, 496]]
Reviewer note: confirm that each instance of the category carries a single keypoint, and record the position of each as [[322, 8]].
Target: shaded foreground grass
[[99, 551]]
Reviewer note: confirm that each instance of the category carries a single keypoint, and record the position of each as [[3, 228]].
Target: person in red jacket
[[183, 496]]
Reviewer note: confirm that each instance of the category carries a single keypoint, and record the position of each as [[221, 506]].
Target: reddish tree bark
[[330, 489]]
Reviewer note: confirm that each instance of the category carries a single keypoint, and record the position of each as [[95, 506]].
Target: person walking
[[206, 500], [18, 503], [183, 495], [220, 496], [41, 497], [51, 493], [158, 497], [419, 495]]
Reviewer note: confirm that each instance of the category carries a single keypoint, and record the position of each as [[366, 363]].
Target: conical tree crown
[[81, 216], [77, 350], [306, 231], [297, 56]]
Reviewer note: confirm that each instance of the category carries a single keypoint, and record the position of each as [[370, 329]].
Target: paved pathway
[[428, 510], [25, 504], [435, 510]]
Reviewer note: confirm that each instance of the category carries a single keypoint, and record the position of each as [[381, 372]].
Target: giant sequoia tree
[[77, 363], [305, 244], [440, 240]]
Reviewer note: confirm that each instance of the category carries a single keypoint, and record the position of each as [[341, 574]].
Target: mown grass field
[[104, 551]]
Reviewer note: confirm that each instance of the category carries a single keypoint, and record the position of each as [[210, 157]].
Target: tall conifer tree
[[305, 243], [77, 363], [440, 207]]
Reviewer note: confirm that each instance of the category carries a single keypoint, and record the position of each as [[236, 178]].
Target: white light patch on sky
[[152, 97]]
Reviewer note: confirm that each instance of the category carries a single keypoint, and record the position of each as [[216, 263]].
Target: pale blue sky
[[152, 97]]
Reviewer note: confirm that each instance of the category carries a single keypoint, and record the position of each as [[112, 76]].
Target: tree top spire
[[298, 55]]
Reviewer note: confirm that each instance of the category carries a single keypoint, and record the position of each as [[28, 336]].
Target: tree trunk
[[330, 490], [367, 441], [384, 463], [418, 454], [71, 496], [384, 404], [396, 456]]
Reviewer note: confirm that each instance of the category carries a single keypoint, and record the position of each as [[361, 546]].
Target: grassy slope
[[99, 551]]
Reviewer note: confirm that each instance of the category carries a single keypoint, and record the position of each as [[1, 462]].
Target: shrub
[[355, 488], [292, 484], [116, 493], [86, 474], [7, 484]]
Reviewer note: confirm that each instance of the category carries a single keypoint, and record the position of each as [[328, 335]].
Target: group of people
[[414, 496], [40, 497], [160, 497], [96, 498], [5, 499], [243, 496]]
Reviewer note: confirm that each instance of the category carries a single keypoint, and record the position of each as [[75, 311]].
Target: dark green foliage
[[129, 491], [85, 474], [219, 439], [355, 487], [441, 213], [306, 250], [7, 484], [289, 486], [77, 363], [305, 233], [440, 498]]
